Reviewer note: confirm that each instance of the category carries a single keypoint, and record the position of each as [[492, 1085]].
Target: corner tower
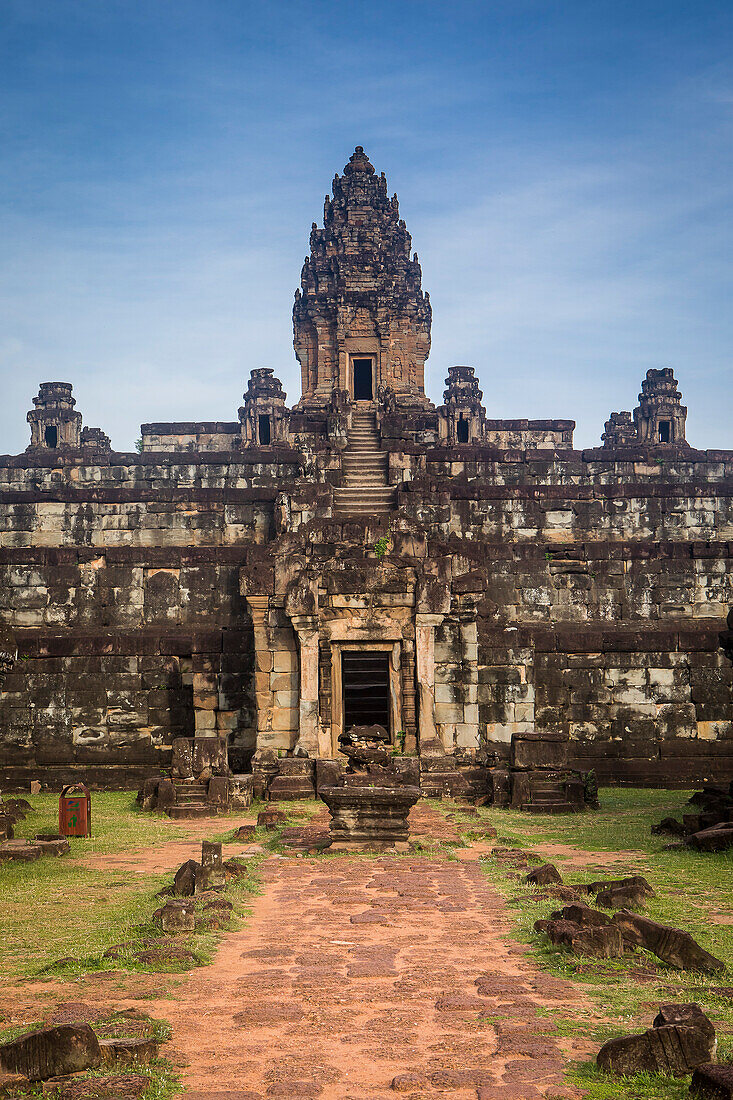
[[361, 321]]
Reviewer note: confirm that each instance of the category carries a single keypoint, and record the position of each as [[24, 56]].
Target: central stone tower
[[361, 322]]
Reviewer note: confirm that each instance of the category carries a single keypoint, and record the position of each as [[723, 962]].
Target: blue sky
[[564, 169]]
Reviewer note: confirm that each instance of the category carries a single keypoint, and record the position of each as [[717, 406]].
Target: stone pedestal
[[369, 817]]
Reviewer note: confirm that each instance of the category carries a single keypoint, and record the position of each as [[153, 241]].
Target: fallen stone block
[[543, 876], [178, 916], [119, 1086], [271, 818], [51, 1052], [184, 881], [631, 882], [669, 1049], [582, 915], [719, 838], [621, 897], [671, 945], [712, 1082], [601, 940], [6, 826], [668, 826], [685, 1015], [142, 1050], [13, 1083], [245, 832], [21, 850], [52, 844]]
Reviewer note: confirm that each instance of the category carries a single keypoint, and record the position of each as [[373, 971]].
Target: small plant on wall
[[382, 545]]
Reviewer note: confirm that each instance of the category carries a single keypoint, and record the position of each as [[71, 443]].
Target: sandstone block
[[712, 1082], [543, 876], [671, 945], [51, 1052], [178, 916]]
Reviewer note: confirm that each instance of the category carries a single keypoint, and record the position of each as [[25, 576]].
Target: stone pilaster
[[430, 743]]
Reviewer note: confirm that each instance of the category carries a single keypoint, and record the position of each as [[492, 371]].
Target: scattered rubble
[[710, 828]]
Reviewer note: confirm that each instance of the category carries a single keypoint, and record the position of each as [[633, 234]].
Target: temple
[[366, 557]]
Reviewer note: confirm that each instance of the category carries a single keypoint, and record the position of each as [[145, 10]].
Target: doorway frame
[[337, 685], [362, 356]]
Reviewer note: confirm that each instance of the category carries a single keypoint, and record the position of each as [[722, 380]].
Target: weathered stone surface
[[668, 1049], [543, 876], [178, 916], [11, 1084], [712, 1082], [671, 945], [51, 1052], [184, 882], [118, 1086], [581, 914], [603, 940], [127, 1051], [211, 873], [685, 1015], [621, 897], [52, 844], [21, 850], [717, 839], [362, 816]]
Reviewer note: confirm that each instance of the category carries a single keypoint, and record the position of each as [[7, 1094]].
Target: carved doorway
[[363, 383]]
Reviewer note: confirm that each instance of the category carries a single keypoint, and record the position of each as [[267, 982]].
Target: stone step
[[190, 809], [559, 807]]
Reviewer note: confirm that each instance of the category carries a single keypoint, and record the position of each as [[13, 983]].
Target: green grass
[[694, 891], [56, 908]]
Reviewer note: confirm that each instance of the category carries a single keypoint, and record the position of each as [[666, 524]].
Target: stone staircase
[[548, 797], [190, 800], [365, 491]]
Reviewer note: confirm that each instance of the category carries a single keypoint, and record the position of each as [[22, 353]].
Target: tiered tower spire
[[361, 320]]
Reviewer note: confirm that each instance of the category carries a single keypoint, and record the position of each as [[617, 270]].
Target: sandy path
[[352, 972]]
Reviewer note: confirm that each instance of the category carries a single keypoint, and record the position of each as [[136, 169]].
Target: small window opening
[[462, 431], [363, 380], [264, 430], [665, 431], [51, 436]]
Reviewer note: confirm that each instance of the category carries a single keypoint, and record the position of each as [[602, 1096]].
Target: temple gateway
[[363, 556]]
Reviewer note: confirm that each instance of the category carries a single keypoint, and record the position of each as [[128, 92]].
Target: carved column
[[306, 627], [259, 606], [430, 743]]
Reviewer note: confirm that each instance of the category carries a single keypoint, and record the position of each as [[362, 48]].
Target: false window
[[264, 430]]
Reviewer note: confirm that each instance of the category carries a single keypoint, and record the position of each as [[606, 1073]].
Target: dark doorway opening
[[363, 380], [665, 431], [462, 431], [51, 435], [264, 430], [365, 676]]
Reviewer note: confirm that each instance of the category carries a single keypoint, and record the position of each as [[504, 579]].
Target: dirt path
[[352, 972]]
